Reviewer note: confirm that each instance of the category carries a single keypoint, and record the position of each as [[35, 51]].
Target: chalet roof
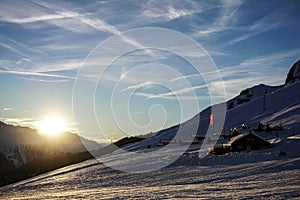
[[241, 136]]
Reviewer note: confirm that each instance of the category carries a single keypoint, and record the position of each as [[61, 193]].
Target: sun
[[52, 126]]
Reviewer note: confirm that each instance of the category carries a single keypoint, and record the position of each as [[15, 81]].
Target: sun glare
[[51, 126]]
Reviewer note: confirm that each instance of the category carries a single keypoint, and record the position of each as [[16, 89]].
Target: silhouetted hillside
[[25, 153]]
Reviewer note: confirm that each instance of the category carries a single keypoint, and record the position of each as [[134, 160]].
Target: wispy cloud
[[169, 13], [76, 19], [45, 79], [171, 94], [34, 74], [228, 12], [19, 121], [142, 85], [255, 64], [8, 109], [19, 47], [100, 25], [184, 77], [256, 70], [182, 97], [67, 19], [40, 18], [55, 15], [267, 23], [11, 48]]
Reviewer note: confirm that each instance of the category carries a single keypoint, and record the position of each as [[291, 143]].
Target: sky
[[52, 56]]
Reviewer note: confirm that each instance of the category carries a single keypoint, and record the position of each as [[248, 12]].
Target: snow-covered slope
[[251, 93], [279, 107], [264, 174], [272, 173], [252, 175], [268, 105], [276, 106]]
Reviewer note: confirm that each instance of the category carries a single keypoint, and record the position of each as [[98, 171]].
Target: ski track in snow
[[258, 174]]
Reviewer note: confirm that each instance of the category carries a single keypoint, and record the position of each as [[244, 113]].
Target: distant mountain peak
[[294, 74]]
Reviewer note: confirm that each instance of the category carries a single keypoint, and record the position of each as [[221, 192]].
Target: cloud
[[8, 109], [82, 20], [256, 70], [185, 97], [77, 19], [34, 74], [58, 19], [177, 13], [267, 23], [168, 14], [233, 26], [46, 80], [228, 15], [259, 63], [142, 85], [28, 122], [18, 47], [172, 93], [47, 13], [61, 65], [137, 112], [100, 25], [52, 72], [184, 77], [123, 75], [12, 49], [59, 15]]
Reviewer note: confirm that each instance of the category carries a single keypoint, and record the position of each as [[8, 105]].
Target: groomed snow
[[257, 174]]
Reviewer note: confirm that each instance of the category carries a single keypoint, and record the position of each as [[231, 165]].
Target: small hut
[[248, 141]]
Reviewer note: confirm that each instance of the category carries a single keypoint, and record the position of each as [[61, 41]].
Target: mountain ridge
[[261, 104], [293, 74], [25, 153], [66, 142], [269, 105]]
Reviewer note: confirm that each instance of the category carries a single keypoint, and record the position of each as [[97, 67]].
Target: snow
[[271, 173], [238, 175], [256, 174], [282, 108]]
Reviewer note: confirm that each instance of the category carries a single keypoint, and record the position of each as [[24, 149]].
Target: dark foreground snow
[[258, 174]]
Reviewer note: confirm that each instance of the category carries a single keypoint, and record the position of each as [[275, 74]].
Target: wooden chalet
[[242, 142]]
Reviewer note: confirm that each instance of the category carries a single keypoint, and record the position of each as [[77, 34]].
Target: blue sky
[[43, 44]]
